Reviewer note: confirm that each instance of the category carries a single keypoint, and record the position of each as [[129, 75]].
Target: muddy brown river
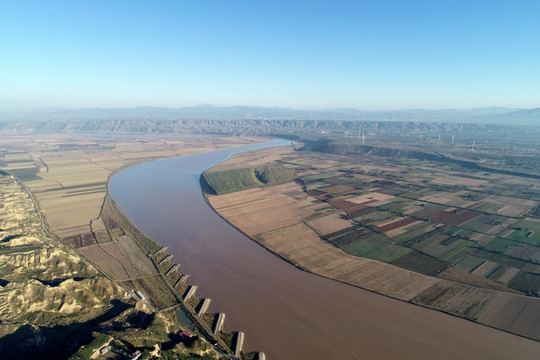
[[285, 312]]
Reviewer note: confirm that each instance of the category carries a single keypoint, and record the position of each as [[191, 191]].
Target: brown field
[[257, 210], [458, 299], [455, 217], [500, 310], [80, 240], [485, 268], [135, 256], [97, 225], [114, 250], [393, 218], [105, 261], [443, 198], [73, 231], [300, 245], [122, 259], [403, 229], [331, 223], [348, 206], [513, 313], [511, 206], [397, 224], [66, 212], [373, 199], [102, 236], [508, 275], [464, 277]]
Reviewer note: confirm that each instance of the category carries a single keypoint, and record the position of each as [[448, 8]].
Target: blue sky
[[370, 55]]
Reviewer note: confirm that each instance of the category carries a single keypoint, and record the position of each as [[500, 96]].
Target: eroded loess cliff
[[43, 283]]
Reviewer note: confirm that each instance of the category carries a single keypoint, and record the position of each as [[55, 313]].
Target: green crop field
[[469, 263], [458, 253], [484, 223], [527, 232], [376, 247], [500, 245]]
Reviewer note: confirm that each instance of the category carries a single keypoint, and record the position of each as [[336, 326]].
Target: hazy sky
[[369, 55]]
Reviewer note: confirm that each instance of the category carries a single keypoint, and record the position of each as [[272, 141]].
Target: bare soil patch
[[259, 210], [331, 223], [397, 224]]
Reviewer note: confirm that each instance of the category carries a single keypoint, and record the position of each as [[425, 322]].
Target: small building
[[138, 293], [184, 336]]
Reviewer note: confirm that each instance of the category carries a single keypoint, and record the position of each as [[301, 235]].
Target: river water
[[285, 312]]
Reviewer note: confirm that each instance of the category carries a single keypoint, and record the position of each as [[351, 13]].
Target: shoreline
[[228, 340], [188, 305], [277, 260]]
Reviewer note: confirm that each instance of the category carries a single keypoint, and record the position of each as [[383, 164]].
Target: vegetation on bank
[[227, 181], [87, 351]]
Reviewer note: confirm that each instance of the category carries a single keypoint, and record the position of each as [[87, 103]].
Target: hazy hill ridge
[[371, 129], [492, 115]]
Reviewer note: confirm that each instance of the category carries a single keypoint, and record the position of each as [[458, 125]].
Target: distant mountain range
[[492, 115]]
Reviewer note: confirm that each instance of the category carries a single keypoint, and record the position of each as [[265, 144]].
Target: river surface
[[285, 312]]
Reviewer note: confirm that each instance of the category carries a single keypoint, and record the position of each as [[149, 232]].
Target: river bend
[[285, 312]]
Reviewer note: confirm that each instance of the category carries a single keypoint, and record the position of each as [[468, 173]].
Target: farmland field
[[528, 231], [68, 174], [459, 230], [261, 210], [330, 223], [107, 263]]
